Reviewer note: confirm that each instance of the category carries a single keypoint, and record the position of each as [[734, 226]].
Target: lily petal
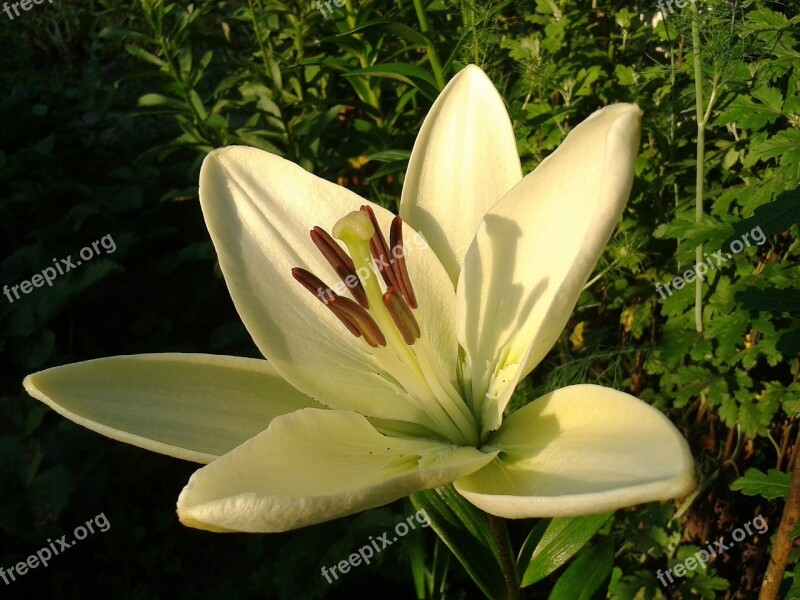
[[313, 466], [259, 209], [464, 159], [191, 406], [535, 249], [579, 450]]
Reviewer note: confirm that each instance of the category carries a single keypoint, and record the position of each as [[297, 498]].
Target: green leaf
[[794, 591], [775, 217], [389, 155], [586, 575], [161, 101], [754, 115], [773, 484], [197, 104], [145, 56], [410, 74], [555, 543], [770, 300], [784, 144], [765, 19], [789, 343], [466, 531], [403, 31]]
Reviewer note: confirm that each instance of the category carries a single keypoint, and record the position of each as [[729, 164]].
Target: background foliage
[[109, 107]]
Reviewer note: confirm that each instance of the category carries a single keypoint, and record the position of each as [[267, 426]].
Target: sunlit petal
[[579, 450], [191, 406], [312, 466], [536, 248], [259, 209], [465, 158]]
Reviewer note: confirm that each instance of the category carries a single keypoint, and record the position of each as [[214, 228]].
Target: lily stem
[[503, 543]]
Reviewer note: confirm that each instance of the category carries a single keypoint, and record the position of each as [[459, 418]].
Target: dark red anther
[[380, 251], [399, 255], [341, 263], [325, 295], [360, 319], [402, 316]]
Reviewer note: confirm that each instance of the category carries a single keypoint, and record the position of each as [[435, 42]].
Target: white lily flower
[[398, 381]]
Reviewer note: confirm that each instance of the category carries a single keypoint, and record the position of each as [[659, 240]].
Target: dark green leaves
[[467, 533], [552, 543], [773, 484], [586, 575], [775, 217]]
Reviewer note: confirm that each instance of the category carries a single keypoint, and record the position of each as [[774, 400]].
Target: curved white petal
[[464, 159], [259, 209], [535, 249], [580, 450], [313, 466], [191, 406]]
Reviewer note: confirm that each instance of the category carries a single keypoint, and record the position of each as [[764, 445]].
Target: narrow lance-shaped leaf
[[552, 543], [465, 530], [586, 575]]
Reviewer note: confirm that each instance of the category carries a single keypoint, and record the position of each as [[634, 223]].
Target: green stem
[[291, 148], [468, 16], [503, 542], [597, 277], [433, 56], [698, 195], [703, 115], [372, 95]]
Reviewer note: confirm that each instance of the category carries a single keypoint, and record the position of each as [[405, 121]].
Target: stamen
[[380, 251], [313, 284], [360, 319], [400, 269], [318, 288], [341, 263], [402, 316], [388, 319]]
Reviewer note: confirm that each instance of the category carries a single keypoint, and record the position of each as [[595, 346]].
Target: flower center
[[385, 318], [360, 232]]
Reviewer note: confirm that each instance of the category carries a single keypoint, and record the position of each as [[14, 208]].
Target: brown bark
[[771, 585]]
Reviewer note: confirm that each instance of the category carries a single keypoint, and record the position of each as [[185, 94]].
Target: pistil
[[386, 320]]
